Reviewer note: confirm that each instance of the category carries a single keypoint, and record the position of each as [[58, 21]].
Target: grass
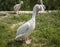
[[46, 33]]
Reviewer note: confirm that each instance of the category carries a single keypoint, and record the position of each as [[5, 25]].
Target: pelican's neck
[[35, 11], [34, 15], [41, 2]]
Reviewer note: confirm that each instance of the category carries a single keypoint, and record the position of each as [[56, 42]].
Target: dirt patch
[[14, 25]]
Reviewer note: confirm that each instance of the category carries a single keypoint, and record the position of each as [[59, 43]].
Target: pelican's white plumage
[[42, 6], [18, 6], [29, 26], [25, 29]]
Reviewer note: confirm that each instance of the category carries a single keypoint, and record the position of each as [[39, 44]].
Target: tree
[[32, 3]]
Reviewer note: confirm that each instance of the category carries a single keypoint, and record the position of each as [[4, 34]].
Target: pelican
[[18, 6], [26, 29], [42, 6]]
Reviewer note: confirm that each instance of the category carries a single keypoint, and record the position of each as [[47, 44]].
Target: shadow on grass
[[15, 43]]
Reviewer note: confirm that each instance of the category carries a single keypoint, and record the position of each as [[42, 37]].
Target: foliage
[[46, 33], [28, 4], [51, 5]]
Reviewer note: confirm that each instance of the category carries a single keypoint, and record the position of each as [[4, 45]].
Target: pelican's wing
[[17, 6], [22, 30]]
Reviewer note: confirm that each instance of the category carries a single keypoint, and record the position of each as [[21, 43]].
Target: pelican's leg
[[27, 40], [17, 12]]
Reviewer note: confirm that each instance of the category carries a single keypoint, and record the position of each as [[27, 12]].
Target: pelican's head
[[21, 2], [37, 8]]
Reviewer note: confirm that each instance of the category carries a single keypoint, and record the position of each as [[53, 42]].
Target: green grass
[[46, 33]]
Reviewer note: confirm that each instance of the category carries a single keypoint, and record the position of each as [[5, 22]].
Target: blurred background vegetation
[[7, 5]]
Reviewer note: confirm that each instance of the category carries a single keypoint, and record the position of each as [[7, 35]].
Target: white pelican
[[42, 5], [18, 6], [26, 29]]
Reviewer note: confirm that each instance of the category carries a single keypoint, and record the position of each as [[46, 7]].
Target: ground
[[46, 33]]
